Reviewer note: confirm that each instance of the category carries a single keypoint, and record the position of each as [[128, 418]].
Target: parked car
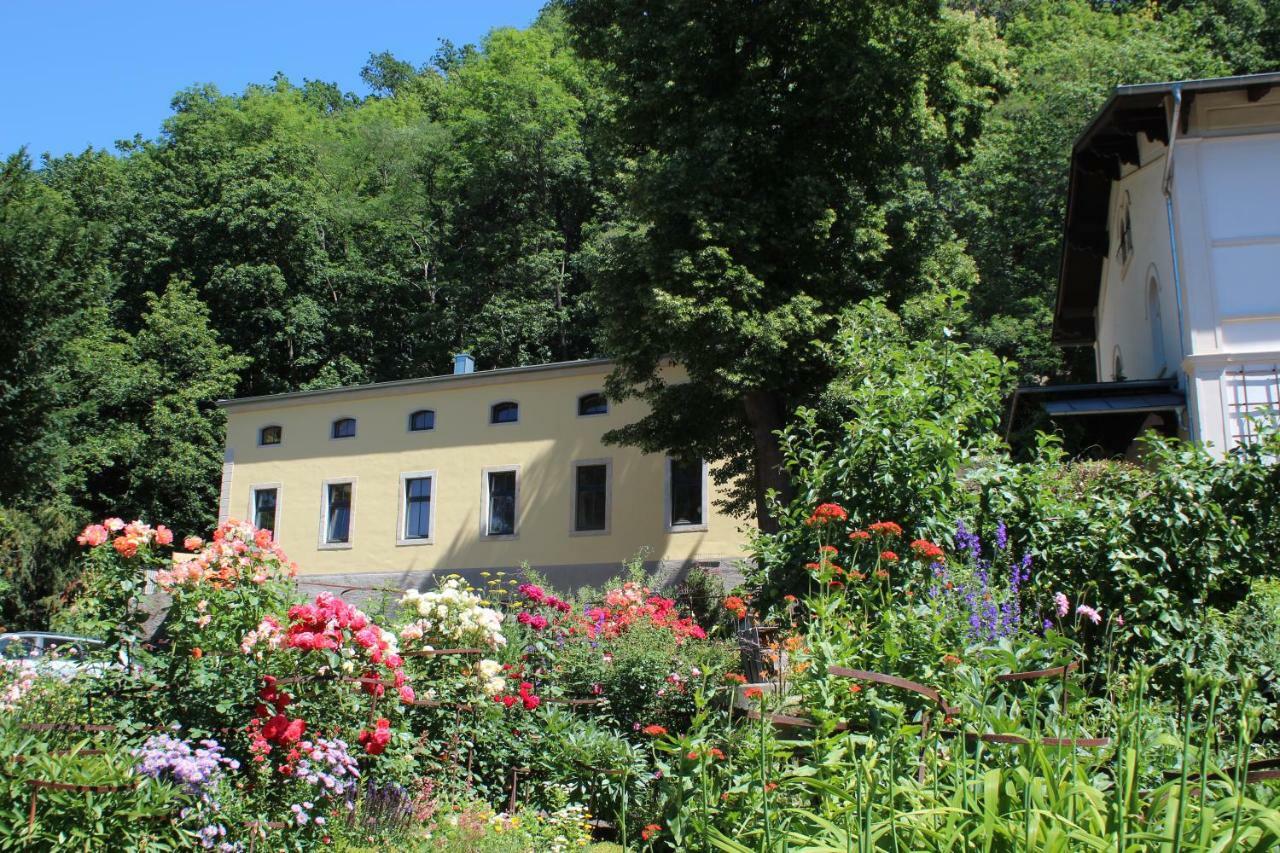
[[59, 655]]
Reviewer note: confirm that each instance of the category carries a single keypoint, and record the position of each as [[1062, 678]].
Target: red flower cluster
[[859, 536], [926, 550], [649, 831], [827, 513], [654, 730], [889, 556], [328, 623], [271, 725], [375, 742], [525, 697], [536, 621], [885, 528], [735, 605], [634, 603]]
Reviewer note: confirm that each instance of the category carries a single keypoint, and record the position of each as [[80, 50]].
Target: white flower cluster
[[452, 614], [492, 681]]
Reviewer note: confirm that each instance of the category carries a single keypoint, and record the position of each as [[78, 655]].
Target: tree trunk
[[764, 416]]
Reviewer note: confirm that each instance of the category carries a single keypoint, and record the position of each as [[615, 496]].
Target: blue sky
[[75, 73]]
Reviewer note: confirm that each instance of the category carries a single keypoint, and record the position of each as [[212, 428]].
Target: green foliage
[[1245, 642], [1164, 544], [805, 184], [889, 438]]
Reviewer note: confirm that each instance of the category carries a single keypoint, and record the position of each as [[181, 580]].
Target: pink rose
[[164, 536], [93, 535], [193, 543]]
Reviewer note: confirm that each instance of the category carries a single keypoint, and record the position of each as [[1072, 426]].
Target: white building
[[1171, 262]]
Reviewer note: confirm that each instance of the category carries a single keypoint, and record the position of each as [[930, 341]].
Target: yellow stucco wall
[[549, 437]]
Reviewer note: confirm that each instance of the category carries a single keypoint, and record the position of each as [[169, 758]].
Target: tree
[[784, 161]]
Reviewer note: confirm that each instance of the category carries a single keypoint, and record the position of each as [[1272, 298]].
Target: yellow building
[[465, 472]]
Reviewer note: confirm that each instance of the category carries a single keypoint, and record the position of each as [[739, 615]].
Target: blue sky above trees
[[82, 72]]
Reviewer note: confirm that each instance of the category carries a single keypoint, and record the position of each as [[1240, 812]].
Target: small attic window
[[270, 435], [506, 412], [344, 428], [421, 420], [594, 403]]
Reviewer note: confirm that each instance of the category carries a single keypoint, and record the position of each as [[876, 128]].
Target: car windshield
[[65, 648]]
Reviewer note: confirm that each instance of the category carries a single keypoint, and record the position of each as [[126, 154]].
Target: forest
[[595, 184]]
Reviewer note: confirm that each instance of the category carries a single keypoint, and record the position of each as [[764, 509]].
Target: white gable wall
[[1143, 334], [1227, 196]]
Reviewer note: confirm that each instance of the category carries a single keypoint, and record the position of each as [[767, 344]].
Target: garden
[[942, 646]]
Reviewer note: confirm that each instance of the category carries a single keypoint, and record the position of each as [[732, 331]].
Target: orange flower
[[197, 653], [883, 574], [650, 830], [654, 730], [790, 599], [885, 528], [925, 549], [716, 754], [835, 585], [855, 689], [889, 556], [753, 693], [693, 756], [950, 660], [735, 605], [771, 786], [735, 677], [859, 535], [827, 513], [857, 575], [828, 550]]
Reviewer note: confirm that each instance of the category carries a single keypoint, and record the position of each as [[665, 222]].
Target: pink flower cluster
[[126, 539], [374, 742], [268, 632], [329, 624], [633, 603], [537, 595], [239, 553]]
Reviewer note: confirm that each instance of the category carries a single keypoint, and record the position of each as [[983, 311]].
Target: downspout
[[1167, 187]]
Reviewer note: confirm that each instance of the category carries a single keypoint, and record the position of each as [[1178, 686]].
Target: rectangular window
[[500, 503], [591, 497], [417, 508], [264, 508], [686, 494], [337, 513]]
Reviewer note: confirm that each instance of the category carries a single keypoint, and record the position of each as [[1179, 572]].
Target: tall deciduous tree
[[785, 158]]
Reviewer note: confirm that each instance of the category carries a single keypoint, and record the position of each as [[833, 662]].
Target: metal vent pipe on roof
[[464, 363]]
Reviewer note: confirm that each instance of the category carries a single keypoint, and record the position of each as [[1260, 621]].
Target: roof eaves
[[423, 381]]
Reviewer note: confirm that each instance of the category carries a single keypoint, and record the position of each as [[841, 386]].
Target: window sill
[[499, 537], [334, 546], [409, 543], [604, 532], [686, 528]]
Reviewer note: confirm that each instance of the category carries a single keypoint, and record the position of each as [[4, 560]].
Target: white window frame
[[577, 404], [403, 514], [408, 421], [493, 423], [254, 488], [666, 503], [324, 544], [351, 437], [266, 427], [608, 497], [484, 504]]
